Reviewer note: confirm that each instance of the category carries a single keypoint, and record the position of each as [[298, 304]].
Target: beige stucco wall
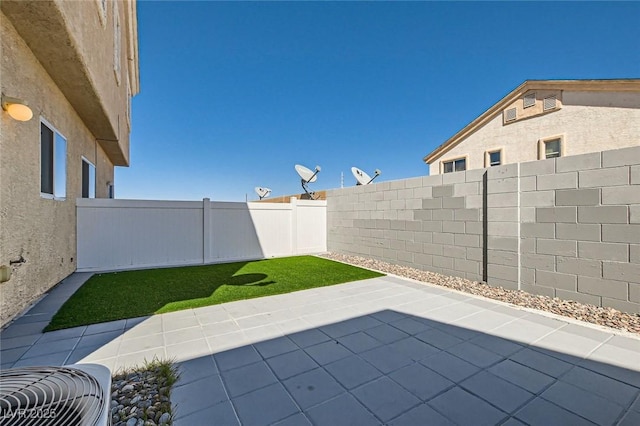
[[42, 231], [587, 121]]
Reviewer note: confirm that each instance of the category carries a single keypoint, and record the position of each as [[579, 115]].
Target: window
[[529, 100], [552, 148], [494, 158], [53, 162], [88, 179], [549, 103], [509, 114], [458, 165], [116, 42]]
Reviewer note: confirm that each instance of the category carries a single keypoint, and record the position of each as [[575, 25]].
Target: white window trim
[[453, 160], [487, 157], [541, 145], [45, 194], [95, 171]]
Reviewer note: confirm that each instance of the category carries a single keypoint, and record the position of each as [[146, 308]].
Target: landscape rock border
[[607, 317]]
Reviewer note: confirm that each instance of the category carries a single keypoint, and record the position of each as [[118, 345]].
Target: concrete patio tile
[[265, 406], [227, 341], [211, 315], [38, 349], [31, 317], [359, 342], [541, 412], [414, 348], [105, 326], [312, 388], [636, 405], [528, 329], [266, 332], [274, 347], [128, 346], [496, 345], [308, 338], [198, 395], [67, 333], [219, 328], [422, 415], [618, 351], [139, 358], [327, 352], [613, 390], [97, 340], [195, 369], [504, 395], [583, 403], [386, 333], [102, 350], [525, 377], [474, 354], [188, 350], [439, 339], [18, 342], [80, 354], [291, 364], [386, 359], [452, 329], [513, 422], [248, 378], [385, 398], [632, 418], [420, 381], [296, 420], [57, 359], [6, 366], [220, 414], [571, 340], [466, 409], [133, 322], [22, 330], [176, 322], [449, 366], [388, 316], [144, 329], [12, 355], [352, 371], [541, 362], [342, 411], [410, 326], [235, 358], [485, 321], [184, 335], [453, 312]]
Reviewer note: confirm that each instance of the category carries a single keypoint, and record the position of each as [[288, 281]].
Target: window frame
[[529, 95], [453, 161], [95, 179], [487, 157], [56, 132], [542, 143]]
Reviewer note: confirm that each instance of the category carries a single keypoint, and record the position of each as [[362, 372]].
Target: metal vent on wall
[[510, 114], [55, 395], [549, 103], [529, 100]]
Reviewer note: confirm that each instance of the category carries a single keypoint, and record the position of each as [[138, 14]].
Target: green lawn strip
[[131, 294]]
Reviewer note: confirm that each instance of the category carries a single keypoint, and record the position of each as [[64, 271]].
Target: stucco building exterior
[[545, 119], [75, 64]]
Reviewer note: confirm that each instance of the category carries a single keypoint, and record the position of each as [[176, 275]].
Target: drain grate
[[50, 396]]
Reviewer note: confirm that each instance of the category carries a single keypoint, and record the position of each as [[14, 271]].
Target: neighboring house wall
[[39, 230], [566, 227], [586, 122]]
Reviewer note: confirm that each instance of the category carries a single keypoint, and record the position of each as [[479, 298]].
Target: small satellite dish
[[262, 192], [362, 177], [307, 176]]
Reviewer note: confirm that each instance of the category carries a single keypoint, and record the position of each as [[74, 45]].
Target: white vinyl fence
[[128, 234]]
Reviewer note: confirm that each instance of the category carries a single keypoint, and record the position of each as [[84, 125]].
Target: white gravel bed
[[607, 317]]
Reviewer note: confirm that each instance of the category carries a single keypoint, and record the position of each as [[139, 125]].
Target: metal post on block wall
[[206, 230]]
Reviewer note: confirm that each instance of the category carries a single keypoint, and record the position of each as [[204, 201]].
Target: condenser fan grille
[[51, 396]]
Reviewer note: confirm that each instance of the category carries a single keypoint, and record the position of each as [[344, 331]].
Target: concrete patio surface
[[379, 351]]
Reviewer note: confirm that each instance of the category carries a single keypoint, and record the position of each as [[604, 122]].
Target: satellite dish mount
[[307, 176], [262, 192]]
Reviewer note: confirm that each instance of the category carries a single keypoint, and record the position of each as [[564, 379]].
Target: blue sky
[[234, 94]]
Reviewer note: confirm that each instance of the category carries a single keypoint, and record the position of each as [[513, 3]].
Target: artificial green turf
[[130, 294]]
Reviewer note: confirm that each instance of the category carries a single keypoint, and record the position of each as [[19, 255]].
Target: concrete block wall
[[566, 227], [432, 223]]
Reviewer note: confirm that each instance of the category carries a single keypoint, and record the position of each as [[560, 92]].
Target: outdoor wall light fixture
[[16, 108]]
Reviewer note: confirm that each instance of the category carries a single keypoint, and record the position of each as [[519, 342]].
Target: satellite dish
[[307, 176], [262, 192], [362, 177]]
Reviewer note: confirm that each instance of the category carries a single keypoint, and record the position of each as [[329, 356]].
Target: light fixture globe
[[17, 109]]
